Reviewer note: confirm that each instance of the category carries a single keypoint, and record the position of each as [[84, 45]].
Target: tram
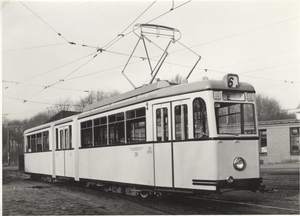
[[161, 137]]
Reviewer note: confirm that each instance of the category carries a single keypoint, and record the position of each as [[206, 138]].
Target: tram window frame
[[233, 118], [263, 141], [70, 137], [162, 117], [294, 140], [100, 131], [28, 146], [86, 129], [200, 119], [62, 138], [116, 128], [38, 142], [33, 142], [56, 138], [136, 124], [45, 138], [181, 122]]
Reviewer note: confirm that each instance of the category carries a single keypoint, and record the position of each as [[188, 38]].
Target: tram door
[[162, 145], [63, 138]]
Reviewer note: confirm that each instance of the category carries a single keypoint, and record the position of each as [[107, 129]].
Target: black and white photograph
[[150, 107]]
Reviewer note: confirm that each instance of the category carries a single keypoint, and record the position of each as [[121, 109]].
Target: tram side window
[[33, 143], [86, 134], [181, 122], [295, 140], [62, 139], [70, 136], [200, 118], [116, 128], [136, 125], [100, 131], [39, 142], [28, 146], [56, 140], [162, 133], [46, 141]]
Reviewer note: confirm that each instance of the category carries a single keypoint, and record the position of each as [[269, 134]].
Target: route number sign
[[232, 81]]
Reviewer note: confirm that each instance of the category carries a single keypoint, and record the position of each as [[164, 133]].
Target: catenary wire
[[59, 34], [47, 87], [262, 57], [241, 33], [93, 53], [122, 33], [31, 84], [45, 22], [35, 47], [169, 11]]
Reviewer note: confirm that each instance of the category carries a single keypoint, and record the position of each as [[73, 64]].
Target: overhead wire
[[47, 87], [35, 47], [72, 43], [122, 33], [31, 84], [161, 16], [241, 33], [173, 8], [60, 7], [59, 34], [62, 80], [15, 83], [45, 22], [40, 102], [262, 57]]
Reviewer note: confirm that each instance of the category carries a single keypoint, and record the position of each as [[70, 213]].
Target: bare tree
[[270, 109], [177, 79], [93, 97], [63, 105]]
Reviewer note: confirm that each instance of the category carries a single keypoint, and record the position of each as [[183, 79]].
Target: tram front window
[[235, 118]]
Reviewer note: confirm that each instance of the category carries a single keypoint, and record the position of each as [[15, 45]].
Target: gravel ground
[[23, 196]]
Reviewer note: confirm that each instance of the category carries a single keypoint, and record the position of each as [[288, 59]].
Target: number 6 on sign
[[232, 81]]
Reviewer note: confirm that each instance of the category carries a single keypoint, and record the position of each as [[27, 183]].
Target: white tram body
[[191, 137]]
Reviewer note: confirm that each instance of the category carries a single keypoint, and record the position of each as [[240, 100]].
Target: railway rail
[[50, 194]]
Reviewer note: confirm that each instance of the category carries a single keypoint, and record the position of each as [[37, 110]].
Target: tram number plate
[[233, 81]]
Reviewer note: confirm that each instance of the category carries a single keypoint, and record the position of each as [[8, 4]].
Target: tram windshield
[[235, 118]]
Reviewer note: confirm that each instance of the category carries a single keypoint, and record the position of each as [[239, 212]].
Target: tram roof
[[158, 90], [131, 94], [37, 128]]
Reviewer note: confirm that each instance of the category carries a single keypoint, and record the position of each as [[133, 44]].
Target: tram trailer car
[[162, 137]]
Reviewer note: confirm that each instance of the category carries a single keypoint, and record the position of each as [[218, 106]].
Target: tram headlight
[[250, 97], [239, 164]]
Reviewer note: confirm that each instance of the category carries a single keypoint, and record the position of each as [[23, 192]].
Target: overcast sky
[[259, 40]]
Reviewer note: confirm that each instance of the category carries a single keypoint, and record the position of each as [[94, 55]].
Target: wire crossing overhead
[[58, 33]]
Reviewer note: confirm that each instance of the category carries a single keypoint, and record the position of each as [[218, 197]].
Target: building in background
[[279, 141], [296, 111]]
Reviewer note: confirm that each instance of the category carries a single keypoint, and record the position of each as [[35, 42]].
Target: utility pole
[[8, 142]]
